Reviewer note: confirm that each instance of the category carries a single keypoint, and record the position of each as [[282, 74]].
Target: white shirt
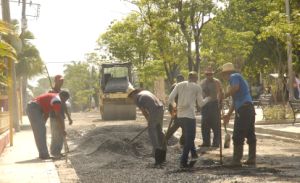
[[188, 93]]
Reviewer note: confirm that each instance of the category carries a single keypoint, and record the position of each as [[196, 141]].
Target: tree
[[6, 50], [77, 79], [30, 64], [42, 87]]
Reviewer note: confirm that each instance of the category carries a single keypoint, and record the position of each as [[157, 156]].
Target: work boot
[[163, 154], [160, 156], [251, 155], [237, 156]]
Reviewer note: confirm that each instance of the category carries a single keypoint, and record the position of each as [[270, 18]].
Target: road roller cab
[[114, 101]]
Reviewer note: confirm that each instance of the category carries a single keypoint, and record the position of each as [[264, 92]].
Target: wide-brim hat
[[209, 70], [228, 67]]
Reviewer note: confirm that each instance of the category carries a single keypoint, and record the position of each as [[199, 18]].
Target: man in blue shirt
[[244, 115]]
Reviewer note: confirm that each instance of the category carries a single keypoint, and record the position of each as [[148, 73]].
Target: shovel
[[66, 148], [227, 135], [227, 138]]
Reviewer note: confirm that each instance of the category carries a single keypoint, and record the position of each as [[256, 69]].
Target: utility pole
[[22, 87], [289, 53]]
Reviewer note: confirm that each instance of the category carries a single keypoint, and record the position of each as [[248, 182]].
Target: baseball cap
[[58, 78]]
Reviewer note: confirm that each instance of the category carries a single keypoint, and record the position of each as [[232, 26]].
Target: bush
[[277, 112]]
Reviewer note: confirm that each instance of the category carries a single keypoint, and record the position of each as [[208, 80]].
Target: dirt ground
[[100, 152]]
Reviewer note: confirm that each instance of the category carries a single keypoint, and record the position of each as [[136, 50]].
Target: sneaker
[[184, 165], [193, 160]]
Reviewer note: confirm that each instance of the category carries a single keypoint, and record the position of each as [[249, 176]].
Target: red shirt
[[49, 102]]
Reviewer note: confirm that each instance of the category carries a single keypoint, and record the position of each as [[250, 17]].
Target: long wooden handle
[[138, 134], [66, 147]]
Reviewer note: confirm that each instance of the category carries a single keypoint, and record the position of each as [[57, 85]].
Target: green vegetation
[[178, 36], [6, 50], [163, 38]]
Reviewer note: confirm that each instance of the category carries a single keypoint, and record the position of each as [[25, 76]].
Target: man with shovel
[[188, 92], [57, 139], [173, 126], [153, 110], [211, 118], [244, 115]]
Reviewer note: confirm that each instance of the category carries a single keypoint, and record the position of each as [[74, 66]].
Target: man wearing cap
[[38, 111], [244, 115], [153, 110], [188, 92], [211, 118], [56, 137]]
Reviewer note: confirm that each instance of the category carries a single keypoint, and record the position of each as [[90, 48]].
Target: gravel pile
[[103, 154]]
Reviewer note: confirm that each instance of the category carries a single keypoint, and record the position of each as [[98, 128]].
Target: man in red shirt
[[38, 112]]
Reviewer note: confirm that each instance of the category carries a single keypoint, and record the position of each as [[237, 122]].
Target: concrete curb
[[290, 136]]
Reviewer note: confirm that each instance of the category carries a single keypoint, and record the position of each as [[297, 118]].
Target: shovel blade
[[227, 140]]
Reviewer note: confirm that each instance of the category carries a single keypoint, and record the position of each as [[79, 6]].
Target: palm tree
[[30, 63], [6, 50]]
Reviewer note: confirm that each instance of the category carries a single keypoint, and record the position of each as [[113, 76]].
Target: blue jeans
[[38, 125], [189, 128]]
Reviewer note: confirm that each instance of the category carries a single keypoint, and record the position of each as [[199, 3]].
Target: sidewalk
[[20, 163], [278, 129]]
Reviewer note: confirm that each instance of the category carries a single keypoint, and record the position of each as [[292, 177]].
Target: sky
[[68, 29]]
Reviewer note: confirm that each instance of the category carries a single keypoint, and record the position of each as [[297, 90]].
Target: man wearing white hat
[[244, 115], [211, 118]]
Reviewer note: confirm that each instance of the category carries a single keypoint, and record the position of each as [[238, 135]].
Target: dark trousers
[[37, 122], [174, 127], [211, 120], [189, 128], [244, 125], [155, 132]]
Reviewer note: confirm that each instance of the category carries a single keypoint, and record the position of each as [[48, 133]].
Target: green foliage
[[126, 40], [153, 69], [79, 81], [30, 63], [42, 87], [277, 112], [6, 50], [251, 34]]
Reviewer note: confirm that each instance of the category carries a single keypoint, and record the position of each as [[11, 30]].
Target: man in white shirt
[[188, 93]]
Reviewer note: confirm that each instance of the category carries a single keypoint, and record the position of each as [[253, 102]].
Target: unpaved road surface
[[100, 152]]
